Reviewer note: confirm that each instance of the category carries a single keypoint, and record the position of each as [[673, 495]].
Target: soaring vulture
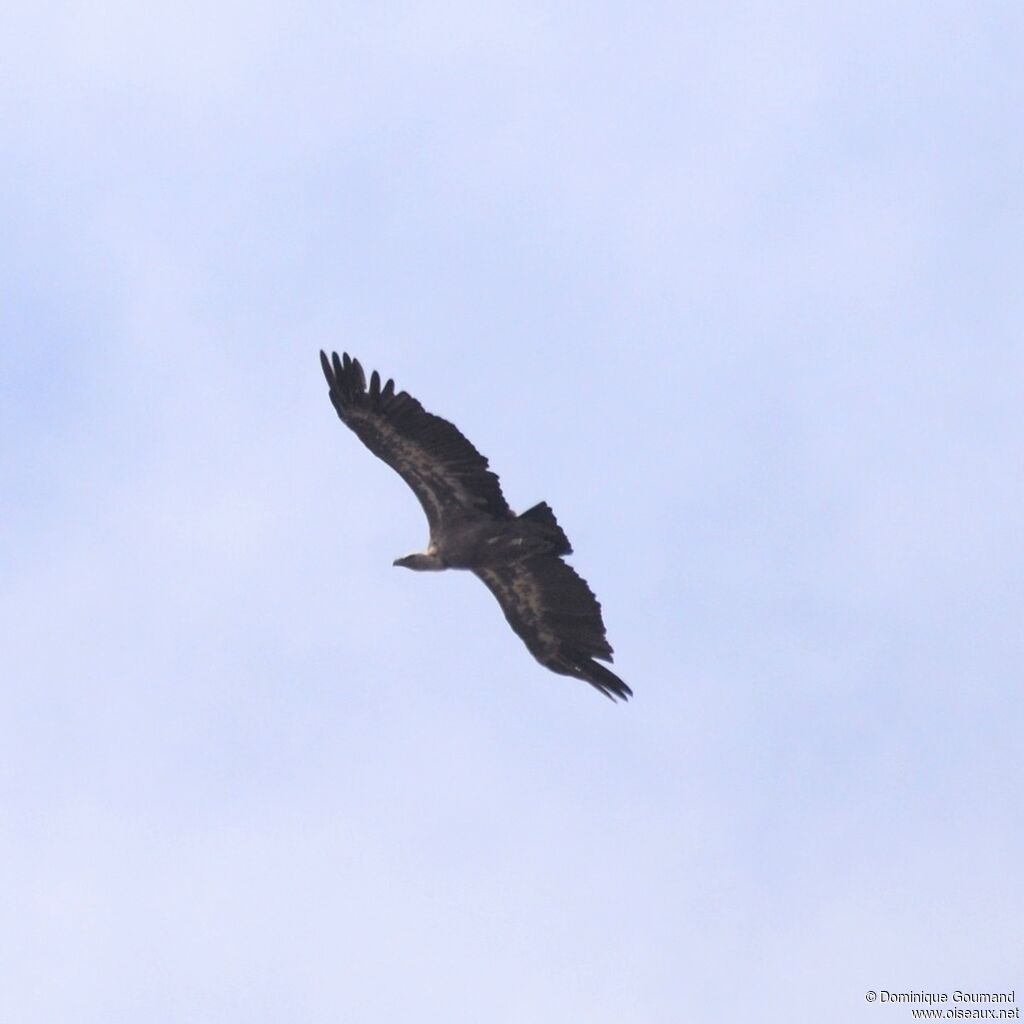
[[518, 557]]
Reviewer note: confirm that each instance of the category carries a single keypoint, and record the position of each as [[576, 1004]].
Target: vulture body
[[518, 557]]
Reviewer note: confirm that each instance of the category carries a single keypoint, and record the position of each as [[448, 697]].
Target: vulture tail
[[542, 515]]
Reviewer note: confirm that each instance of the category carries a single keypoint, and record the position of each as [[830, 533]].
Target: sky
[[736, 288]]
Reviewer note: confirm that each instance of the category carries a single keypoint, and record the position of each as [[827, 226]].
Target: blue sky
[[737, 289]]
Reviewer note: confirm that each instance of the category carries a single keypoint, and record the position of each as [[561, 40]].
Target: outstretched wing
[[445, 471], [556, 615]]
